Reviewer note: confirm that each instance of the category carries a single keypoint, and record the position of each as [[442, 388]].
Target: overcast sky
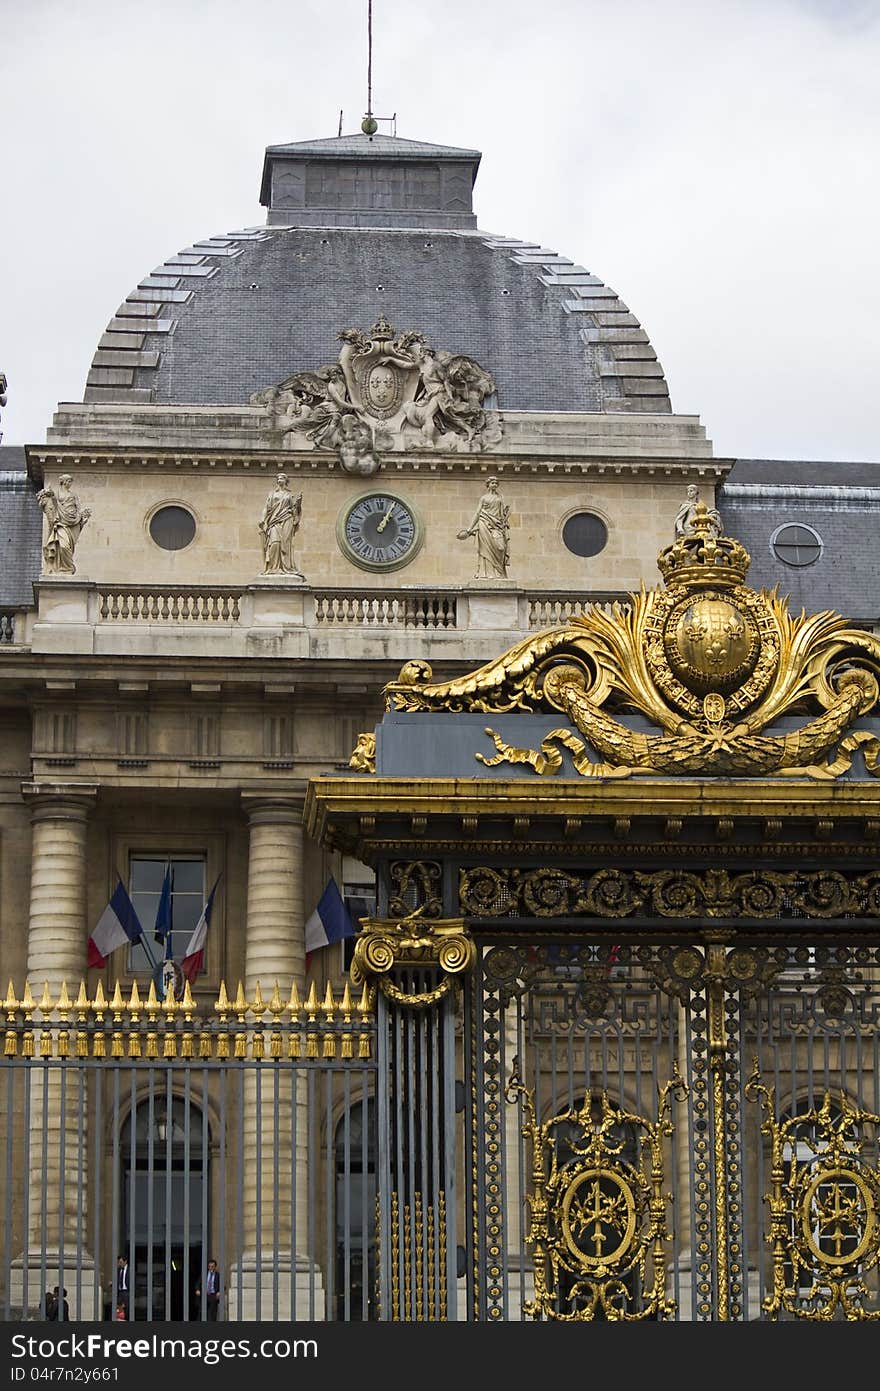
[[714, 161]]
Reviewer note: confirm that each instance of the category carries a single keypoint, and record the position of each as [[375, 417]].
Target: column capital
[[59, 801], [274, 808]]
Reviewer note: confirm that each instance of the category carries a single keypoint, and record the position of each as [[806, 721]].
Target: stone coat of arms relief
[[386, 392]]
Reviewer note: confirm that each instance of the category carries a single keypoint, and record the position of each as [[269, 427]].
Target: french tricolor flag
[[194, 957], [117, 925], [330, 922]]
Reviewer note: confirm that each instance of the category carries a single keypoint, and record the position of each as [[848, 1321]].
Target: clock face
[[379, 532]]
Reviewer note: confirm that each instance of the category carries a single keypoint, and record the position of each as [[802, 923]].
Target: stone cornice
[[74, 458]]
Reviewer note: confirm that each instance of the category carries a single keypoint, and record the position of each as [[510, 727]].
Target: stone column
[[275, 952], [58, 1182]]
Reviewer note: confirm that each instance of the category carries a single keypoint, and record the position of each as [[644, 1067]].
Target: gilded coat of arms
[[712, 663]]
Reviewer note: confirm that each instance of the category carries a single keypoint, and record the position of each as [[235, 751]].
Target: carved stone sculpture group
[[387, 391]]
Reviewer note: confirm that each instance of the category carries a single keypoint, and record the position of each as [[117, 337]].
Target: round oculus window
[[172, 528], [585, 534], [795, 543]]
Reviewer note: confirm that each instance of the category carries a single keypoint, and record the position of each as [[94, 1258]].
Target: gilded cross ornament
[[712, 664]]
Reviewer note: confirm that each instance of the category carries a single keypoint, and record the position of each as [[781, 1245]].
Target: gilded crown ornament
[[711, 662]]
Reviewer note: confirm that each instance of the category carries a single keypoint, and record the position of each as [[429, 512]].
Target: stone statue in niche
[[279, 523], [491, 526], [684, 518], [386, 392], [65, 519]]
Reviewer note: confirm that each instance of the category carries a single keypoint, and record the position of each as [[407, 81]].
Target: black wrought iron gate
[[679, 1127]]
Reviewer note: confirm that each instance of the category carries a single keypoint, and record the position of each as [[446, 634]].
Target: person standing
[[212, 1291], [60, 1309], [123, 1291]]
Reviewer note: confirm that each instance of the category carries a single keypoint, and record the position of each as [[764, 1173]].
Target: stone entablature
[[570, 435]]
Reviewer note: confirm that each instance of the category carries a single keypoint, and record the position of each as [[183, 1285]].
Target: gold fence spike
[[63, 1008], [117, 1004], [275, 1004], [347, 1050], [328, 1009], [188, 1001], [27, 1038], [222, 1004], [364, 1008], [152, 998], [294, 1004], [45, 1008], [241, 1004], [10, 1004], [134, 999], [312, 1002], [100, 1000], [81, 1006]]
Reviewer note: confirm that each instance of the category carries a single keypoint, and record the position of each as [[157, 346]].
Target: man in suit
[[212, 1291], [61, 1306], [123, 1291]]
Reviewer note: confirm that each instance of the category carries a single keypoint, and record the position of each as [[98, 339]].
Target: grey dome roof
[[233, 314]]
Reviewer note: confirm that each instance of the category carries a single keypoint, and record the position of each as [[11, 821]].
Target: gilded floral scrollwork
[[486, 892], [711, 663]]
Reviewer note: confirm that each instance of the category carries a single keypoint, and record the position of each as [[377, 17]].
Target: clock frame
[[379, 531]]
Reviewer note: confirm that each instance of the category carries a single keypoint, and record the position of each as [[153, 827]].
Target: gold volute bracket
[[388, 946]]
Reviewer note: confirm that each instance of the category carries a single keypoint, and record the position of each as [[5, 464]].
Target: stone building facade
[[279, 473]]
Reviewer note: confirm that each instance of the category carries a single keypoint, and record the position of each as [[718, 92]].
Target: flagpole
[[149, 951]]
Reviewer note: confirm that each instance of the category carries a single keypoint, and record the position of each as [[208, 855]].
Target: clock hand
[[386, 519]]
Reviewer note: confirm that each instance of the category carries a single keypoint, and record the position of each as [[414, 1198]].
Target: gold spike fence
[[339, 1026]]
